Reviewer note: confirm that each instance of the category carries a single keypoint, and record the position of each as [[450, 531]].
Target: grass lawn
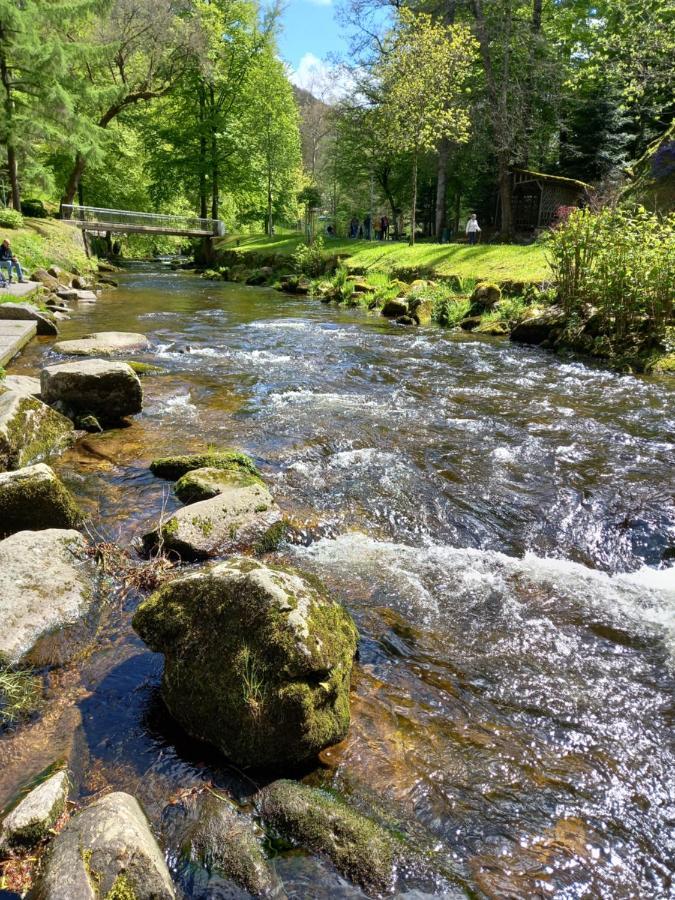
[[47, 242], [485, 262]]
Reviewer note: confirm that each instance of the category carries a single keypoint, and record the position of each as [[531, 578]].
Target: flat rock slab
[[103, 343], [108, 847], [46, 583], [67, 293], [20, 290], [25, 385], [108, 390], [33, 498], [14, 335], [30, 820], [30, 431], [238, 516], [87, 297], [25, 311]]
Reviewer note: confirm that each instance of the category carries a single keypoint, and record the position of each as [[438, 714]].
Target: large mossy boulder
[[484, 297], [30, 820], [237, 517], [212, 834], [109, 391], [103, 343], [106, 851], [392, 309], [30, 430], [257, 660], [174, 467], [47, 586], [360, 849], [539, 328], [46, 325], [33, 498]]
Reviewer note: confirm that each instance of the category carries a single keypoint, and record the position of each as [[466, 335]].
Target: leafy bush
[[34, 209], [10, 218], [308, 259], [619, 260]]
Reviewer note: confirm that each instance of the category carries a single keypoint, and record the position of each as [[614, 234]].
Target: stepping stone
[[103, 343], [108, 390]]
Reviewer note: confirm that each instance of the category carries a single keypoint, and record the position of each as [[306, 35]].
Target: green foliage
[[620, 261], [10, 218], [449, 309], [20, 694], [309, 259]]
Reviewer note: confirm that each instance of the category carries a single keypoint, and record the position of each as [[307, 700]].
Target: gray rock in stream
[[43, 319], [24, 385], [33, 498], [103, 343], [238, 516], [30, 431], [30, 820], [108, 390], [106, 846], [47, 584]]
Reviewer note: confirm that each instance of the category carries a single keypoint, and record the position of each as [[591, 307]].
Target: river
[[500, 524]]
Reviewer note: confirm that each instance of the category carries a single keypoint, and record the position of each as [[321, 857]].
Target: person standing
[[473, 229], [385, 228], [9, 261]]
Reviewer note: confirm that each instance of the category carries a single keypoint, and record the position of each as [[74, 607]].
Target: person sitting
[[9, 261]]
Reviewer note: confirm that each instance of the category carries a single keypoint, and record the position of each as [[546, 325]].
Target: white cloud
[[321, 2], [327, 82]]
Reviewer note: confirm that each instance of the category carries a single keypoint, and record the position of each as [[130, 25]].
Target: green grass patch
[[485, 262], [41, 243]]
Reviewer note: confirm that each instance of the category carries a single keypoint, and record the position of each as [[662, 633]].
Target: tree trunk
[[413, 216], [74, 180], [12, 165], [270, 223], [203, 202], [458, 209], [505, 198], [442, 187], [215, 174]]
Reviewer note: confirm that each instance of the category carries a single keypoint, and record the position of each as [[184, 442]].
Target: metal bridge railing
[[117, 218]]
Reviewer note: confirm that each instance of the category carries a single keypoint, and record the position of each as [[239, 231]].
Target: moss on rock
[[359, 848], [202, 484], [34, 498], [257, 660], [174, 467], [30, 431]]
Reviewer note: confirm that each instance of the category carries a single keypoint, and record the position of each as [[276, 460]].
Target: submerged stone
[[31, 819], [108, 390], [46, 584], [30, 430], [212, 834], [359, 848], [106, 850], [237, 516], [257, 660], [33, 498], [173, 467]]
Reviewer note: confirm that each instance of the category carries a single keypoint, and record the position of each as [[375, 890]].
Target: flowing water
[[501, 525]]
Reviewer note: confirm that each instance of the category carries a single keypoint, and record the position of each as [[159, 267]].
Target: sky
[[309, 34]]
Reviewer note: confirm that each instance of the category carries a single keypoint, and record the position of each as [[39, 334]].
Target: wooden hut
[[536, 197]]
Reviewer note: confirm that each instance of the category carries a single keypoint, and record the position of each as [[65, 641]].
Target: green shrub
[[34, 209], [308, 259], [10, 218], [619, 260]]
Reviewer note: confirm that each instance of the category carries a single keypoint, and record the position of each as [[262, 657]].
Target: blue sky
[[309, 34]]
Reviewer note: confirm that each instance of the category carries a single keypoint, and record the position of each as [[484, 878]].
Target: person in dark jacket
[[9, 261]]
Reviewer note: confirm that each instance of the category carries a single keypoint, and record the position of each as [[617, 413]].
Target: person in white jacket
[[473, 229]]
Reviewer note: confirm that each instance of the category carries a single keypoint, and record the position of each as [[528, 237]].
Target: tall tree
[[425, 78]]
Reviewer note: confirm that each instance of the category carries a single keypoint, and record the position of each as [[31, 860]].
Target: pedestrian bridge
[[125, 221]]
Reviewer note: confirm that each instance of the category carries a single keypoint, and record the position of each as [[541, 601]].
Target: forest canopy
[[185, 106]]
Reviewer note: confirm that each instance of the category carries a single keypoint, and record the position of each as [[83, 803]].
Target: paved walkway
[[18, 290], [15, 333]]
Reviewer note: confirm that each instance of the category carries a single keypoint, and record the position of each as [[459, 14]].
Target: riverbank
[[498, 290], [41, 243]]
